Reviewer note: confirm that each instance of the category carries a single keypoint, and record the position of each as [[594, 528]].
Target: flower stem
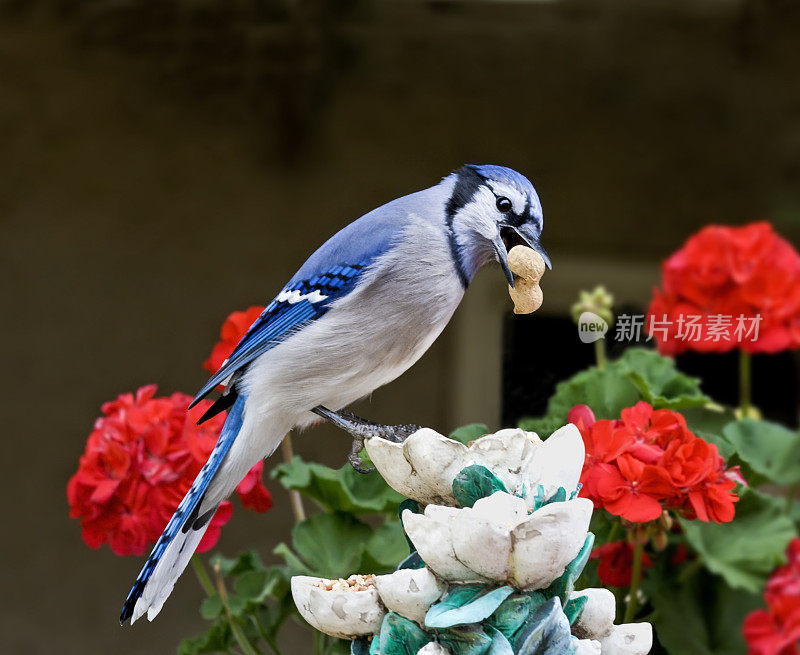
[[236, 628], [600, 353], [744, 383], [202, 576], [636, 580], [615, 528], [790, 498], [295, 498]]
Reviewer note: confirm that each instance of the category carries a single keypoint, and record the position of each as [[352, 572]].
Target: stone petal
[[437, 460], [558, 461], [342, 614], [628, 639], [431, 538], [506, 453], [545, 543], [587, 647], [433, 649], [482, 545], [597, 618], [391, 463], [409, 592]]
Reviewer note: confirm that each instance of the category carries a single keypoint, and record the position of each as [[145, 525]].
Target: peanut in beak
[[528, 267]]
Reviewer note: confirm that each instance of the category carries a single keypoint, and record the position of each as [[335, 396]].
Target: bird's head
[[492, 209]]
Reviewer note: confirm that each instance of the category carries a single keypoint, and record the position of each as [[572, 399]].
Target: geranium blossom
[[647, 461], [776, 629], [230, 334], [140, 459], [723, 273], [616, 563]]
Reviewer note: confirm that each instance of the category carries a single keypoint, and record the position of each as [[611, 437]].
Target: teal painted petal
[[471, 640], [563, 586], [466, 604], [511, 614], [375, 645], [413, 561], [574, 608], [399, 636], [475, 482], [360, 646], [546, 632], [558, 497], [500, 645]]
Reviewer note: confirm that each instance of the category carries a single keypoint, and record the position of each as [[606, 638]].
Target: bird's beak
[[524, 235], [530, 234]]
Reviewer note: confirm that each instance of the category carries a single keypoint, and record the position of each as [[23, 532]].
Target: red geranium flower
[[776, 630], [729, 287], [230, 334], [140, 460], [648, 461], [616, 563]]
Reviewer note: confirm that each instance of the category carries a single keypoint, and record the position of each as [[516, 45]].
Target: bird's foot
[[361, 429]]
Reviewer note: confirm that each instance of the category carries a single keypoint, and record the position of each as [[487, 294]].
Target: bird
[[357, 314]]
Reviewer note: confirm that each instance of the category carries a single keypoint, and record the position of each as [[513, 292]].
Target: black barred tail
[[177, 543]]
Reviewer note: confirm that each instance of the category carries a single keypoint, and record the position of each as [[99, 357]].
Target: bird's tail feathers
[[177, 543]]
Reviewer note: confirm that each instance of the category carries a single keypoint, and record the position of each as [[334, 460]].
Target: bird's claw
[[361, 429]]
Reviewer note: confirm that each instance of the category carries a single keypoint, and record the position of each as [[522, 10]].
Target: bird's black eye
[[504, 204]]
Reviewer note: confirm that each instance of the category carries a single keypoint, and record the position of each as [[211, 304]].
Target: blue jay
[[357, 314]]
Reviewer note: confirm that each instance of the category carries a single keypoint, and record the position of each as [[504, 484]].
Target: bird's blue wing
[[330, 273], [298, 303]]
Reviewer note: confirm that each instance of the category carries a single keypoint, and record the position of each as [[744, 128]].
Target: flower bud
[[598, 301]]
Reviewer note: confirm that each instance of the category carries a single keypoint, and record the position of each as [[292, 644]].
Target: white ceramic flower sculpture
[[347, 613], [498, 540], [424, 466], [502, 536], [596, 623]]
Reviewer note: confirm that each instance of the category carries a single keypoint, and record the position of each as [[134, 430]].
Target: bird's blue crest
[[509, 176]]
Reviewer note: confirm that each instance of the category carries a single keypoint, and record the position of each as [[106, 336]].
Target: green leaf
[[659, 382], [606, 392], [500, 645], [385, 548], [466, 604], [546, 632], [511, 614], [236, 604], [247, 561], [768, 448], [711, 418], [702, 615], [211, 608], [251, 585], [471, 432], [640, 374], [475, 482], [295, 565], [215, 640], [746, 550], [343, 489], [359, 646], [399, 636], [574, 608], [327, 545], [470, 640]]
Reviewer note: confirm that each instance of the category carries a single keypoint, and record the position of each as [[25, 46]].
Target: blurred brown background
[[164, 162]]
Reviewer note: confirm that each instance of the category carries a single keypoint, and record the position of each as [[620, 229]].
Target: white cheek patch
[[480, 214]]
